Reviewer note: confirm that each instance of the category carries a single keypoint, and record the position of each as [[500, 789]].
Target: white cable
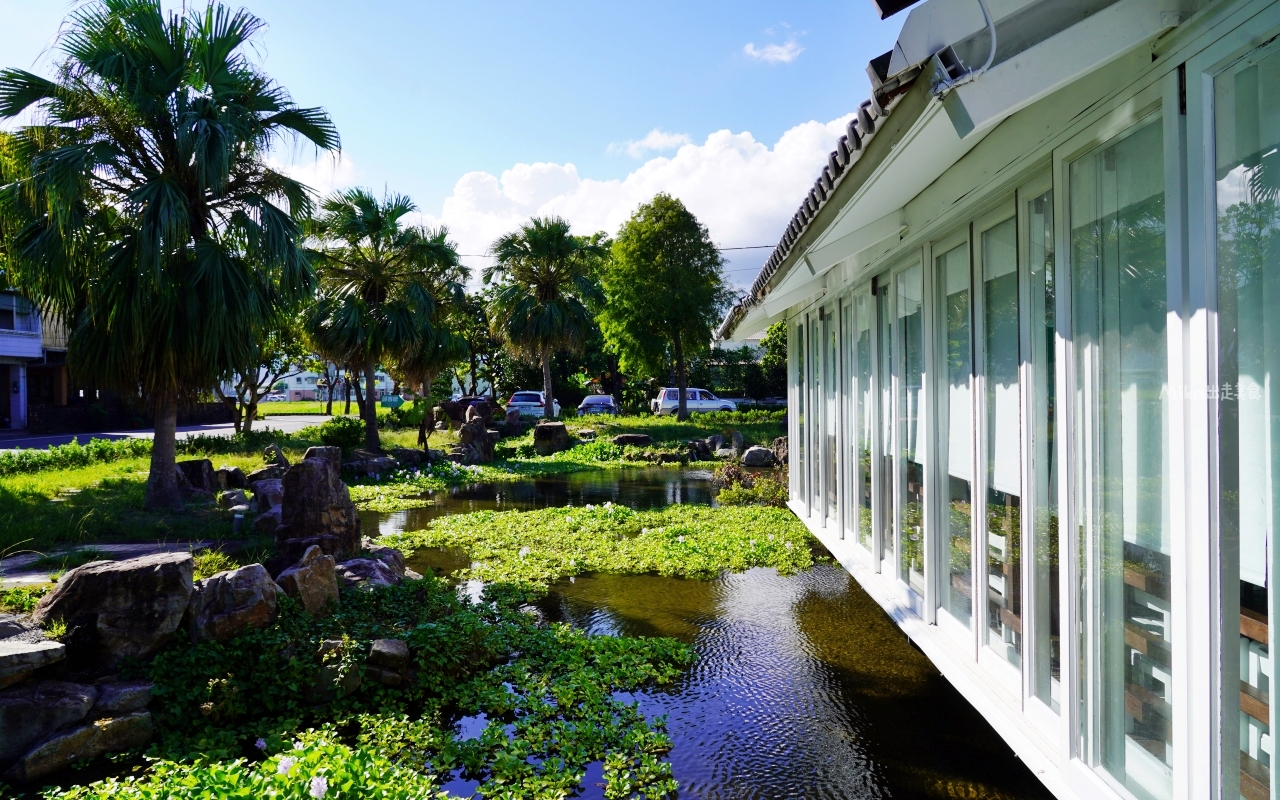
[[946, 85]]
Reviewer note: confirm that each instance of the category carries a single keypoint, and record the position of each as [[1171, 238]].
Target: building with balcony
[[1032, 406]]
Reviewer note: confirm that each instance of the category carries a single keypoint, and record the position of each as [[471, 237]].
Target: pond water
[[802, 686]]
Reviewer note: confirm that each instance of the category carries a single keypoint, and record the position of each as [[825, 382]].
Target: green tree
[[665, 290], [277, 355], [379, 281], [773, 360], [544, 276], [140, 210]]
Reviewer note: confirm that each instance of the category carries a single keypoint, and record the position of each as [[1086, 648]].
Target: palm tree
[[539, 308], [140, 210], [379, 282]]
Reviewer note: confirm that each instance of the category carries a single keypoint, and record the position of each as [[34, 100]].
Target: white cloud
[[743, 190], [774, 53], [656, 141], [325, 175]]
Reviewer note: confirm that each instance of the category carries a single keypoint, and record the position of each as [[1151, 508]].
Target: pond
[[802, 686]]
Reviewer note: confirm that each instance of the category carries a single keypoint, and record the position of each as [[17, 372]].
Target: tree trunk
[[328, 408], [231, 403], [250, 414], [162, 482], [346, 384], [370, 410], [549, 407], [682, 381], [428, 424]]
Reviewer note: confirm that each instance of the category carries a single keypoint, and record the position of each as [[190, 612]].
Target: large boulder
[[31, 712], [232, 498], [230, 478], [271, 473], [81, 744], [332, 682], [780, 449], [312, 581], [121, 697], [758, 456], [273, 456], [119, 609], [367, 572], [200, 474], [715, 442], [230, 602], [267, 494], [633, 439], [387, 662], [332, 454], [19, 659], [317, 510], [550, 437], [736, 438], [268, 522]]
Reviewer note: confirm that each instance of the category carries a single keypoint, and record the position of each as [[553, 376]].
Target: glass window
[[1003, 407], [863, 423], [885, 339], [817, 423], [832, 454], [705, 396], [1119, 307], [1247, 110], [911, 448], [955, 434], [801, 418], [1047, 649], [848, 409]]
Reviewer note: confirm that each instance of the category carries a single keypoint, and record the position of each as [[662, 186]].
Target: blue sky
[[487, 112]]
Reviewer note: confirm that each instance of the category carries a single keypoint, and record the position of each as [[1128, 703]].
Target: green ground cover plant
[[21, 600], [534, 549]]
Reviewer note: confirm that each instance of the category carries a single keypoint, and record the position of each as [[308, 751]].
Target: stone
[[758, 456], [121, 609], [317, 510], [268, 521], [122, 697], [373, 465], [387, 677], [231, 478], [513, 418], [736, 438], [231, 602], [97, 738], [407, 456], [587, 434], [633, 439], [699, 446], [550, 437], [312, 581], [726, 452], [267, 494], [271, 473], [332, 454], [243, 510], [31, 712], [12, 625], [273, 456], [367, 572], [330, 683], [199, 473], [232, 498], [714, 442], [19, 659], [389, 653]]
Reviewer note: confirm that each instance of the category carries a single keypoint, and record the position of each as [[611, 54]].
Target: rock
[[272, 473], [268, 521], [725, 452], [330, 682], [408, 457], [122, 697], [389, 653], [390, 555], [513, 419], [231, 478], [672, 458], [780, 449], [19, 659], [715, 442], [367, 572], [330, 454], [268, 494], [101, 736], [273, 456], [312, 581], [244, 511], [587, 434], [230, 602], [121, 608], [435, 455], [758, 456], [379, 465], [736, 438], [633, 439], [31, 712], [11, 625], [699, 446], [199, 473], [550, 437], [317, 510], [232, 498], [410, 575], [389, 678]]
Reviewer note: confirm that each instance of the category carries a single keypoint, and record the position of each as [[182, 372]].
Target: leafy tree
[[665, 289], [773, 360], [277, 355], [545, 281], [140, 210], [377, 277]]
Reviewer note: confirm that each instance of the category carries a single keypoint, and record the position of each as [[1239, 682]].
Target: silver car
[[530, 404], [668, 402]]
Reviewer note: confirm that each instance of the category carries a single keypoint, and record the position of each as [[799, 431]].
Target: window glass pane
[[955, 434], [862, 317], [1247, 109], [1004, 439], [1119, 303], [831, 454], [1047, 664], [911, 447], [848, 409], [801, 418], [885, 341], [816, 422]]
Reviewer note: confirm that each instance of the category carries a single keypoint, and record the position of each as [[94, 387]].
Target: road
[[13, 440]]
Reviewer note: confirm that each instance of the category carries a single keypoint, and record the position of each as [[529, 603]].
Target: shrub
[[762, 492], [403, 417], [254, 441], [344, 432], [70, 456], [21, 600]]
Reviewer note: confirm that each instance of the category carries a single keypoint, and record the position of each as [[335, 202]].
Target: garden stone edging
[[31, 712], [110, 735], [757, 456], [312, 581], [19, 659], [228, 603]]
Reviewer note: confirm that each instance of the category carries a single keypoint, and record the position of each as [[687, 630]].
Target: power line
[[721, 249]]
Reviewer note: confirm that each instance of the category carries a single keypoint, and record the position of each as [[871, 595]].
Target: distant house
[[1033, 303], [22, 348]]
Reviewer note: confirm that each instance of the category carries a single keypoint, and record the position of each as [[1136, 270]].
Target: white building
[[20, 344], [1047, 289]]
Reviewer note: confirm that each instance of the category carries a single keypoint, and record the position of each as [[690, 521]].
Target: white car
[[530, 404], [668, 402]]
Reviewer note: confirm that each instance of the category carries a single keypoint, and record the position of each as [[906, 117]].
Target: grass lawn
[[311, 407]]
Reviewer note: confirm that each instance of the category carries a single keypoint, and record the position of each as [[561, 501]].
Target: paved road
[[19, 439]]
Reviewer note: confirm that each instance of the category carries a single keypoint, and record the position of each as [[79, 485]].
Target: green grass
[[291, 407]]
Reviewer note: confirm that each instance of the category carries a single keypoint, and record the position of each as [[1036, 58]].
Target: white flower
[[644, 531], [608, 504], [771, 537], [524, 551], [680, 539], [788, 545], [297, 745], [285, 765], [590, 507], [319, 787]]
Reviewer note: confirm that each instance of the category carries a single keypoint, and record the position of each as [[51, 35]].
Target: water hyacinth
[[261, 744], [285, 765], [319, 787]]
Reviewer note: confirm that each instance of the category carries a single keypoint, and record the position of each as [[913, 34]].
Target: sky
[[487, 113]]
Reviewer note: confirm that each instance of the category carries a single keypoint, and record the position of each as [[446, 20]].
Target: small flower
[[261, 744], [285, 765], [680, 539], [319, 787], [590, 507], [524, 551], [771, 537], [297, 745], [788, 545], [644, 531]]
